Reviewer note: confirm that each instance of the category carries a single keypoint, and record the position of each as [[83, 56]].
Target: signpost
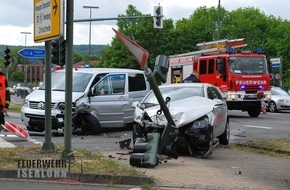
[[47, 20], [277, 67], [32, 53], [141, 55]]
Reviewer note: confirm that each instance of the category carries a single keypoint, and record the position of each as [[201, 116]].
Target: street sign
[[276, 62], [47, 20], [32, 53], [141, 55]]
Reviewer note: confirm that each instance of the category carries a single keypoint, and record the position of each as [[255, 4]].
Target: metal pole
[[25, 63], [68, 80], [48, 145], [219, 22], [90, 7]]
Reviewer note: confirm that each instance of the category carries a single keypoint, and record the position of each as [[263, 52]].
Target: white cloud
[[16, 16]]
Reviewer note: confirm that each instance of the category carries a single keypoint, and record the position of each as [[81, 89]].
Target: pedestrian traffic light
[[158, 17], [7, 57], [62, 52], [145, 151], [55, 52], [161, 67]]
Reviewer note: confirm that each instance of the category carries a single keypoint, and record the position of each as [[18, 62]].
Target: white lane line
[[8, 135], [15, 136], [259, 127], [5, 144], [35, 141]]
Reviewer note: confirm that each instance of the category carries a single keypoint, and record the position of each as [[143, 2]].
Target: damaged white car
[[198, 110]]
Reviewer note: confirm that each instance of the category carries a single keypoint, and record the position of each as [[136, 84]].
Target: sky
[[17, 16]]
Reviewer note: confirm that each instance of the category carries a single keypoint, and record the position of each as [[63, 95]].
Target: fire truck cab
[[242, 76]]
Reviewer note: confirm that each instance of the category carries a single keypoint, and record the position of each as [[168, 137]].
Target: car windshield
[[80, 81], [279, 91], [174, 93], [248, 65]]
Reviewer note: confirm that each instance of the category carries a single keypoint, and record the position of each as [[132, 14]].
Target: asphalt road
[[224, 169]]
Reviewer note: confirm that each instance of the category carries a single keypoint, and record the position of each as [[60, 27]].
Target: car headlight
[[201, 123], [61, 106], [197, 125], [26, 103]]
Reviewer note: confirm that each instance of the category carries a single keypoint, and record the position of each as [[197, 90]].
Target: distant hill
[[96, 50]]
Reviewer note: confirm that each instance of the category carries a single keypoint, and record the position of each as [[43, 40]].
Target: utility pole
[[90, 7], [219, 22]]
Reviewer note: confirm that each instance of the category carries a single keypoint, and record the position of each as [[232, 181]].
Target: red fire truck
[[242, 76]]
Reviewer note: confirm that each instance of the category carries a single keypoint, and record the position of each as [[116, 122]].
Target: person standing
[[192, 78], [4, 97]]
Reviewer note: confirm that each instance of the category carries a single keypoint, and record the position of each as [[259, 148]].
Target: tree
[[17, 76]]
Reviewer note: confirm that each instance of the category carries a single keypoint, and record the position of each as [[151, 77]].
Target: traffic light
[[7, 57], [145, 151], [161, 67], [55, 52], [62, 52], [158, 17]]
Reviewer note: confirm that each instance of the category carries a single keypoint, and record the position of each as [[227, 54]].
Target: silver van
[[101, 98]]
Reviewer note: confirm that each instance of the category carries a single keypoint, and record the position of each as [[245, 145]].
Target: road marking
[[35, 141], [5, 144], [259, 127], [15, 136]]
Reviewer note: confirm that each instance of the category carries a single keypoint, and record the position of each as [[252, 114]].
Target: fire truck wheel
[[255, 110], [224, 139]]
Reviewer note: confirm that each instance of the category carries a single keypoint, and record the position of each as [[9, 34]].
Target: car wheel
[[272, 107], [224, 139]]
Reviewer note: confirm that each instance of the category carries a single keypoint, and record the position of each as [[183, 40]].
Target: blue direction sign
[[32, 53]]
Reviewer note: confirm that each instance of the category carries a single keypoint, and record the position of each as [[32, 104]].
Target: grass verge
[[15, 108], [91, 162], [276, 148]]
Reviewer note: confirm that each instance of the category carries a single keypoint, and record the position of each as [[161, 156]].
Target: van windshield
[[79, 84]]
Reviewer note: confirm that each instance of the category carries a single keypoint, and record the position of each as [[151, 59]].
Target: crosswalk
[[8, 140]]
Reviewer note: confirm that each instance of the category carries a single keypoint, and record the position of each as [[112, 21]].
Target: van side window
[[136, 82], [110, 85]]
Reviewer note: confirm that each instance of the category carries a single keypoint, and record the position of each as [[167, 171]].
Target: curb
[[87, 178]]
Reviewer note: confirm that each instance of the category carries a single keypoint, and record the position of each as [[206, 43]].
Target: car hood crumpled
[[184, 111]]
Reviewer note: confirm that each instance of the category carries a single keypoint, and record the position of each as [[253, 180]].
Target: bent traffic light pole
[[169, 133]]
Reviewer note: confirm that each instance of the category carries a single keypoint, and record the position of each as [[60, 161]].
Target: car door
[[109, 100], [220, 110]]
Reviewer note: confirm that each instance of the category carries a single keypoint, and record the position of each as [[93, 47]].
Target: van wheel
[[92, 125]]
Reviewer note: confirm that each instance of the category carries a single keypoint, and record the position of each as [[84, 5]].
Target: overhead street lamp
[[90, 7], [25, 65]]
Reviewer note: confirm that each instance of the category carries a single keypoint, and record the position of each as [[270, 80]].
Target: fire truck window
[[211, 66], [202, 67]]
